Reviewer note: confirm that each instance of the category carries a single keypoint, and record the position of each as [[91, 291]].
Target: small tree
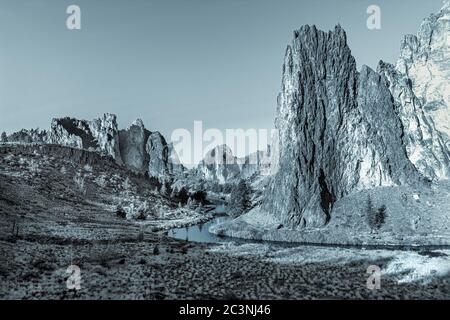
[[126, 186], [4, 137], [79, 182], [199, 196], [141, 215], [239, 199], [140, 236], [375, 218], [120, 212], [182, 195], [163, 189], [156, 250], [380, 216]]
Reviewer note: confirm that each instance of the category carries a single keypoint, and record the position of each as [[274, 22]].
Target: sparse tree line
[[136, 209]]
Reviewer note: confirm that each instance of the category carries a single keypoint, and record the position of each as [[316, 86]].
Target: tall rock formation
[[163, 161], [420, 85], [338, 131], [106, 134], [132, 142]]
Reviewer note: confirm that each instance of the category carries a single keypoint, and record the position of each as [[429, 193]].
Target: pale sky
[[174, 61]]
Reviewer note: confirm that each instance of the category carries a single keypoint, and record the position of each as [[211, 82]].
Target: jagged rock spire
[[338, 130]]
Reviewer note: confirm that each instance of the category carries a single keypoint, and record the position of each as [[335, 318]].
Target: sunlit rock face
[[72, 133], [420, 85], [132, 142], [106, 133], [220, 165], [338, 131], [98, 135]]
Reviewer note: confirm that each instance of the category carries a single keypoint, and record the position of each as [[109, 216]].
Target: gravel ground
[[181, 270]]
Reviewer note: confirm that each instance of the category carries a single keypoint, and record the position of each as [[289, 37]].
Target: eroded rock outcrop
[[135, 147], [106, 134], [27, 136], [420, 85], [72, 132], [338, 131], [163, 160], [100, 135], [132, 143]]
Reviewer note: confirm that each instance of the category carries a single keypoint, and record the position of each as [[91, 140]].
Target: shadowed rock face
[[338, 130], [132, 146], [163, 161]]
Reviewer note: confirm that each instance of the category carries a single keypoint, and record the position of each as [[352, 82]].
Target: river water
[[199, 232]]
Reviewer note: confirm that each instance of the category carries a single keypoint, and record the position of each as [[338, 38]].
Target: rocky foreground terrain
[[179, 270], [58, 208]]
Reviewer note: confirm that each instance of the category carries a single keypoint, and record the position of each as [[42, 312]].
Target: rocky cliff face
[[135, 147], [97, 135], [72, 133], [163, 160], [132, 142], [106, 135], [420, 85], [338, 130], [27, 136]]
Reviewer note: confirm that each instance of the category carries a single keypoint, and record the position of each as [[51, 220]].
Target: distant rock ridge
[[27, 136], [136, 147], [221, 166], [338, 131]]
